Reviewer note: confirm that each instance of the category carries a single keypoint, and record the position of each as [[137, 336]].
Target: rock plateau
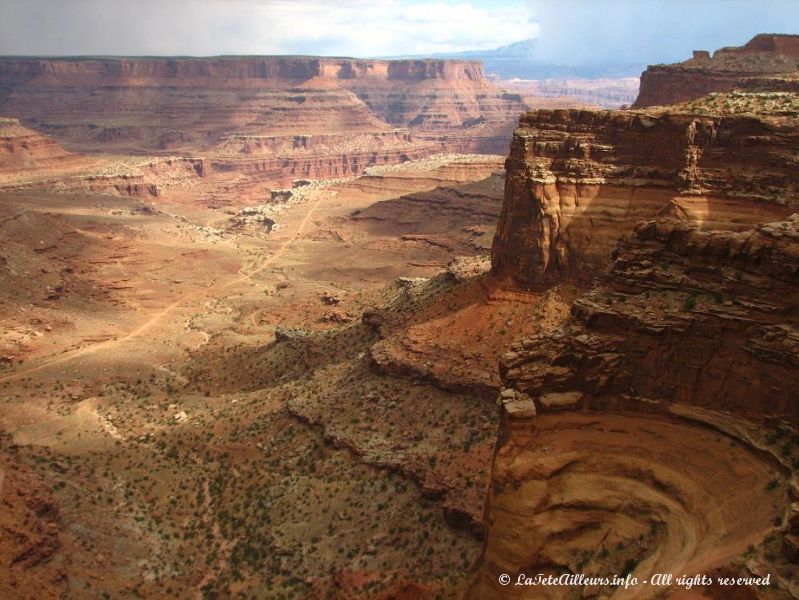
[[766, 62]]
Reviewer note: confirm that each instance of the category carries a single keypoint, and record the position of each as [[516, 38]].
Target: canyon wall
[[767, 61], [676, 373], [685, 315], [656, 429], [229, 71], [578, 180], [188, 105], [283, 158], [30, 160]]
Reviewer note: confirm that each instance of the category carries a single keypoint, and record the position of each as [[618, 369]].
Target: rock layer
[[767, 61], [578, 180], [689, 327], [605, 494], [184, 105], [686, 316], [283, 158], [684, 220], [23, 150]]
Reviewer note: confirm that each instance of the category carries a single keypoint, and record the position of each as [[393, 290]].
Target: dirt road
[[147, 325]]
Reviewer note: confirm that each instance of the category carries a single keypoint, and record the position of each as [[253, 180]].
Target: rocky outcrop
[[23, 150], [579, 180], [678, 364], [31, 160], [586, 498], [690, 327], [129, 177], [225, 71], [684, 316], [767, 61], [282, 158]]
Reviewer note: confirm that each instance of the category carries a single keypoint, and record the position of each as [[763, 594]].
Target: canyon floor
[[207, 401], [208, 394]]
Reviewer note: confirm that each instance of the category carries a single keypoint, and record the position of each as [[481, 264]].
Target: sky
[[566, 31]]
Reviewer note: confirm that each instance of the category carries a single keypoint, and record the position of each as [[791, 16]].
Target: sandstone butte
[[682, 223], [276, 117]]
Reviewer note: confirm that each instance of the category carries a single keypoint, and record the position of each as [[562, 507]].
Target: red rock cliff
[[656, 430], [139, 104], [767, 61], [689, 327], [22, 150], [228, 71], [578, 180]]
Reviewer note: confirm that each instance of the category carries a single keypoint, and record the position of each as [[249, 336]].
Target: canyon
[[576, 92], [581, 179], [336, 328], [281, 118], [142, 295]]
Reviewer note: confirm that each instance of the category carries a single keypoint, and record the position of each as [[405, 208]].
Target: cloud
[[579, 32], [203, 27], [572, 32]]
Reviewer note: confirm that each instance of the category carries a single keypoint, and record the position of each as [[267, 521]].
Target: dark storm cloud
[[118, 27], [202, 27]]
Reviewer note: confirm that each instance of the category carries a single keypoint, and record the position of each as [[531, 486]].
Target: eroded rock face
[[233, 69], [32, 160], [22, 149], [767, 61], [684, 315], [680, 225], [693, 325], [608, 494], [308, 105], [609, 472], [578, 180]]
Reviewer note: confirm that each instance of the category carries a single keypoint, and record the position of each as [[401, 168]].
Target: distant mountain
[[519, 60]]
